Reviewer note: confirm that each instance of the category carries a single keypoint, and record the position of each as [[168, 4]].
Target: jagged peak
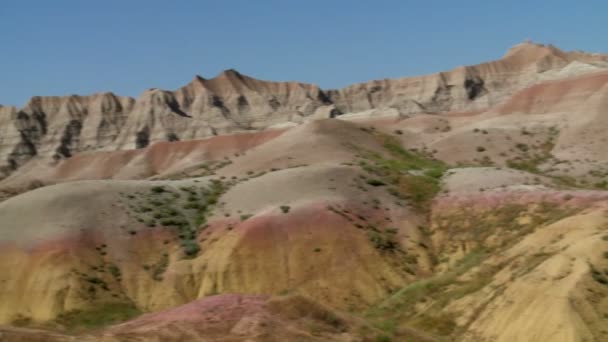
[[230, 73], [111, 96], [198, 78], [197, 83], [231, 80], [35, 101], [228, 80], [105, 94], [158, 96], [529, 49], [231, 76]]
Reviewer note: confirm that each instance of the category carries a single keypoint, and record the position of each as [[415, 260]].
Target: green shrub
[[391, 230], [601, 185], [193, 206], [172, 212], [598, 276], [383, 338], [190, 248], [95, 280], [375, 182], [173, 222], [285, 209], [381, 241], [158, 189], [114, 271], [522, 147], [160, 267], [524, 165], [434, 173], [156, 203]]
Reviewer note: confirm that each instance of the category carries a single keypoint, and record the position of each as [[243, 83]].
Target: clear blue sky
[[59, 47]]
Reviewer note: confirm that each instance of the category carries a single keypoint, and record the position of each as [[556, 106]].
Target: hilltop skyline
[[69, 47]]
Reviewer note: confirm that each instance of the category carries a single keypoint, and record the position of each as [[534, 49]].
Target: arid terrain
[[466, 205]]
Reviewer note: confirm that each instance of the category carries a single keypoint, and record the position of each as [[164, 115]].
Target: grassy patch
[[438, 290], [529, 164], [99, 316], [506, 222], [409, 175]]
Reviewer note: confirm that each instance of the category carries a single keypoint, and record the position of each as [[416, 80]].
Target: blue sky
[[64, 47]]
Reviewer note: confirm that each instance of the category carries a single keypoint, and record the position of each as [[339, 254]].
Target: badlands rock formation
[[468, 88], [469, 205], [58, 127]]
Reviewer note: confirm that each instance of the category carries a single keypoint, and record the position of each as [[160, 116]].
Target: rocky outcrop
[[58, 127], [227, 103], [469, 87]]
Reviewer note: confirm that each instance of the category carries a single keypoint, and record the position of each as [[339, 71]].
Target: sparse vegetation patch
[[186, 215], [408, 175], [98, 316]]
